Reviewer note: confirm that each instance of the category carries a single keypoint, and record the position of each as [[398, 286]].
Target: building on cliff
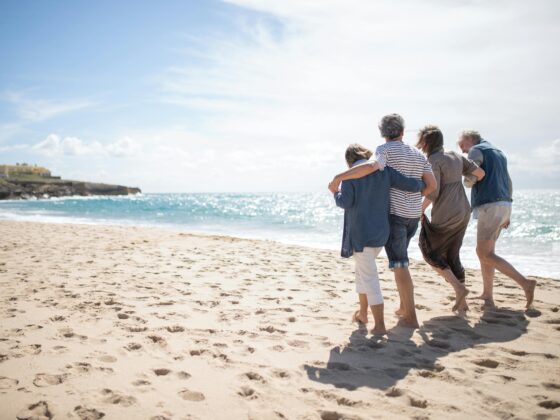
[[23, 169]]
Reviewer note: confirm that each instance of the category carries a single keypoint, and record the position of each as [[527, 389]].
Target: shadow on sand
[[380, 363]]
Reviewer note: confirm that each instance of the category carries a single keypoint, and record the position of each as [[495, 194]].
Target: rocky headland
[[11, 189]]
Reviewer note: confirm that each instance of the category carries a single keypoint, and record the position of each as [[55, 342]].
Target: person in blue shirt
[[491, 201], [366, 227]]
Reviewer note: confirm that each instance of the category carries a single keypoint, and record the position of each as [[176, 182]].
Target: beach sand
[[141, 323]]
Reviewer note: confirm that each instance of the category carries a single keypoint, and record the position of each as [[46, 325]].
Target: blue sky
[[265, 95]]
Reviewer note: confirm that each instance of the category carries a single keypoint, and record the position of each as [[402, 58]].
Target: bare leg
[[400, 311], [406, 290], [461, 291], [488, 285], [485, 251], [361, 314], [377, 311]]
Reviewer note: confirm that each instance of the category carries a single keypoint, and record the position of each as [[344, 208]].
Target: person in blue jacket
[[366, 227]]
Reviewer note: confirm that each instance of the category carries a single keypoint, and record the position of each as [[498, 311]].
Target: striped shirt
[[410, 162]]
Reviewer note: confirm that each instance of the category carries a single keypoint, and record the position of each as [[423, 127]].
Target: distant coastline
[[23, 181]]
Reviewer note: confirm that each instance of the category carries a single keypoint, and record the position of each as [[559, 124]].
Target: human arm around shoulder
[[345, 197], [358, 171], [401, 182], [475, 156], [470, 168]]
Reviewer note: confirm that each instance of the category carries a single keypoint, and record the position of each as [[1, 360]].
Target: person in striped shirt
[[405, 207]]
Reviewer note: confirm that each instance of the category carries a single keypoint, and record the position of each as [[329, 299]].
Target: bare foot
[[460, 299], [463, 308], [530, 292], [399, 312], [488, 304], [484, 297], [358, 318], [379, 331], [408, 323]]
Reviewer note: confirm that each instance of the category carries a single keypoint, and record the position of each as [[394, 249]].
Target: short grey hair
[[391, 126], [471, 134]]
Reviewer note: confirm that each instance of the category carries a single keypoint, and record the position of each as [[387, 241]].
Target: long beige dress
[[442, 237]]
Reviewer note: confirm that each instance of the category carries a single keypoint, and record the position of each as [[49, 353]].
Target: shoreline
[[63, 220], [142, 322]]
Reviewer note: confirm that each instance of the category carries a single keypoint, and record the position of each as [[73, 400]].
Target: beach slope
[[138, 323]]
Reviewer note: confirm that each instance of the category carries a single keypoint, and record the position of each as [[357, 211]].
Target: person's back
[[366, 227], [496, 185], [409, 162], [491, 200], [367, 210], [449, 200], [405, 209]]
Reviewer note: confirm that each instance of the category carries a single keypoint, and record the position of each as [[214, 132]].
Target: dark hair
[[430, 139], [356, 152]]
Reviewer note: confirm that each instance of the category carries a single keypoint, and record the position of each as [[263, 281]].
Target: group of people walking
[[382, 198]]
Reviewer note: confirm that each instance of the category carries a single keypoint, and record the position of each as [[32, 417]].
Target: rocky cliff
[[19, 189]]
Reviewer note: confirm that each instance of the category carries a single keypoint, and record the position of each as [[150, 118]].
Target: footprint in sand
[[7, 383], [161, 371], [488, 363], [426, 374], [247, 392], [191, 395], [418, 403], [136, 328], [141, 382], [394, 392], [549, 404], [107, 358], [37, 411], [158, 340], [31, 349], [133, 346], [335, 415], [84, 413], [44, 379], [115, 397], [253, 376], [175, 328], [183, 375]]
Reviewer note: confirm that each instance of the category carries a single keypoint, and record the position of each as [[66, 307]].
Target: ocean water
[[532, 242]]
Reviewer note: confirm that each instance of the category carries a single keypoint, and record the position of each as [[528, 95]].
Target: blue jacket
[[496, 184], [366, 204]]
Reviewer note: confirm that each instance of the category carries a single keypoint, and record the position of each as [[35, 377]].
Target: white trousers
[[367, 279]]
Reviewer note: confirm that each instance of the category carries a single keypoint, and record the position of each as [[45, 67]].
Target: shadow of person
[[381, 362]]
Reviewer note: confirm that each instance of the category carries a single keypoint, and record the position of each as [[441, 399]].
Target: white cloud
[[54, 145], [122, 147], [323, 73]]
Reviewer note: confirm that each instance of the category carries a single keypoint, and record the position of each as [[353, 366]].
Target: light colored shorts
[[367, 279], [491, 220]]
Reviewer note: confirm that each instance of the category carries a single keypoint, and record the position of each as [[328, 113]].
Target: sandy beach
[[138, 323]]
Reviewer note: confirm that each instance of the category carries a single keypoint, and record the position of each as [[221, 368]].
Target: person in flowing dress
[[442, 236]]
